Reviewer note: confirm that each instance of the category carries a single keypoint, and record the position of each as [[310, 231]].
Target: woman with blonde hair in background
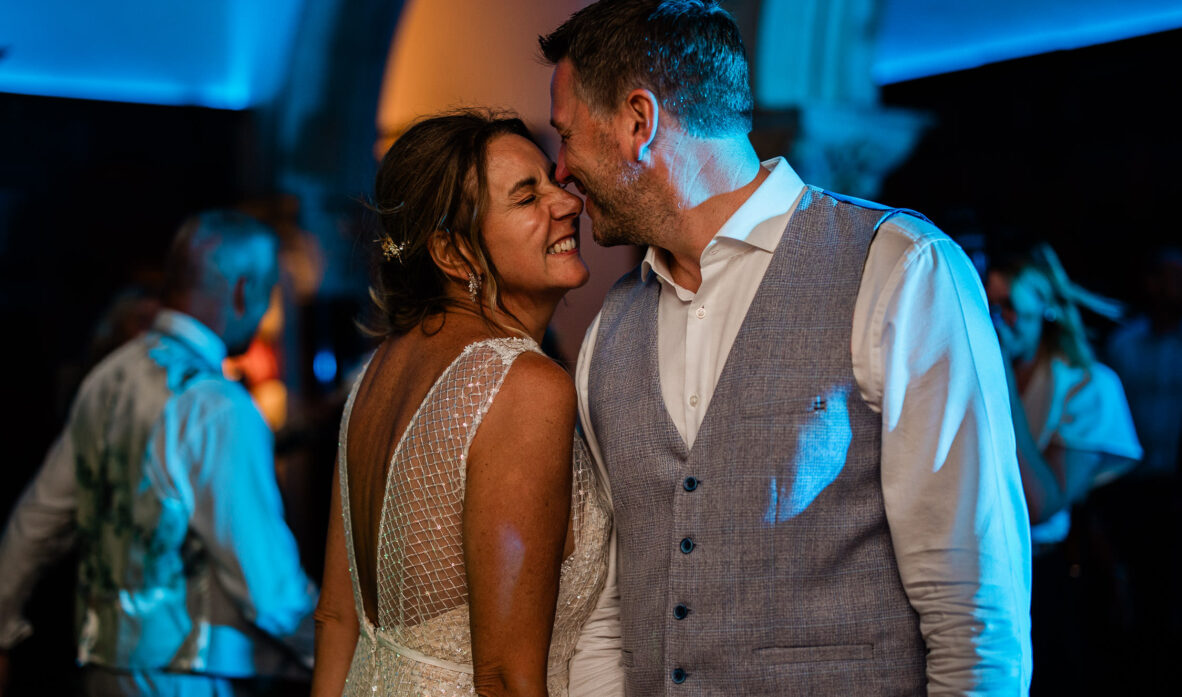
[[1073, 430]]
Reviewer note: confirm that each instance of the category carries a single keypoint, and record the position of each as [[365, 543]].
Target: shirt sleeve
[[1096, 416], [927, 358], [39, 532], [238, 514], [595, 667]]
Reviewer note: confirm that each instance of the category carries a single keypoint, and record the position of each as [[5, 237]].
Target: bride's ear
[[452, 256]]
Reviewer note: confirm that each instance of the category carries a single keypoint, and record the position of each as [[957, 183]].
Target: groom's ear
[[641, 112]]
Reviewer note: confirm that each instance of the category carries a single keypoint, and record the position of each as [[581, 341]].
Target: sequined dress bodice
[[422, 644]]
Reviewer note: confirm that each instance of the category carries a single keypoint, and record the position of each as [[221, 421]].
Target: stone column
[[815, 99]]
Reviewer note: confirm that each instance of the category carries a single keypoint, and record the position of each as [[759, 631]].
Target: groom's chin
[[604, 240]]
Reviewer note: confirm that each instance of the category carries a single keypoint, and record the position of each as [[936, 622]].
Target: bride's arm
[[516, 507], [336, 614]]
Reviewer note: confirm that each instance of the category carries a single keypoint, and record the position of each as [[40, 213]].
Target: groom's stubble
[[628, 209]]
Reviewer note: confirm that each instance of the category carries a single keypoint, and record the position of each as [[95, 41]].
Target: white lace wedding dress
[[422, 644]]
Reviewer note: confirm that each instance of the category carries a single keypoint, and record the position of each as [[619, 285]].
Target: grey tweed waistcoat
[[758, 562]]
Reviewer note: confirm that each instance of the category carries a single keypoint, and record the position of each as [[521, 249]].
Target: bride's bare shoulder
[[536, 395]]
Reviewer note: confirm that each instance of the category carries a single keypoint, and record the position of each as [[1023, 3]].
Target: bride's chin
[[580, 280]]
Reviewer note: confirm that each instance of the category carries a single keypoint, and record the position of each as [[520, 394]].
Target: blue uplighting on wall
[[234, 54], [918, 38], [224, 54]]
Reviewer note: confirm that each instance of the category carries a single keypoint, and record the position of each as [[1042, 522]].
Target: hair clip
[[390, 249]]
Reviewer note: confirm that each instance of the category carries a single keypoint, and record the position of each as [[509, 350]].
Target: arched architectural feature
[[450, 53]]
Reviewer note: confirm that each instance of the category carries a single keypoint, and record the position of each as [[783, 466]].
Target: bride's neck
[[511, 321]]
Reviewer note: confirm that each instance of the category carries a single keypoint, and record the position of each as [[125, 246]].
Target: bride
[[465, 551]]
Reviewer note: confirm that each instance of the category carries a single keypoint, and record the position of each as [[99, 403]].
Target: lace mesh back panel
[[422, 644]]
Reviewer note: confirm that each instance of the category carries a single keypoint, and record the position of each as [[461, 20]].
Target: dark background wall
[[90, 193], [1078, 148]]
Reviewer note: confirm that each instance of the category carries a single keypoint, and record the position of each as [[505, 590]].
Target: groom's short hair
[[687, 52]]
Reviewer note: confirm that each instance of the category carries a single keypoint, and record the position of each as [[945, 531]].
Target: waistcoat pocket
[[806, 654]]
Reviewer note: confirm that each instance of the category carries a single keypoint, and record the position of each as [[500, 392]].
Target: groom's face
[[592, 158]]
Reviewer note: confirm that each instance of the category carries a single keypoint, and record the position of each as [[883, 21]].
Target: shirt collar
[[193, 333], [756, 223]]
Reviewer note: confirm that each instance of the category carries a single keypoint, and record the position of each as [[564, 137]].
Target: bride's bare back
[[420, 499], [409, 470]]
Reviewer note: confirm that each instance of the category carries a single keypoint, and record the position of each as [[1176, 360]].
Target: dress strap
[[508, 348], [420, 657], [343, 475]]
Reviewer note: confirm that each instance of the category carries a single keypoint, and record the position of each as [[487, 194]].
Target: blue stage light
[[224, 54], [324, 366], [918, 38]]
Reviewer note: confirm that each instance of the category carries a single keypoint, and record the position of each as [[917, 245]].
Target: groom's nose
[[561, 174]]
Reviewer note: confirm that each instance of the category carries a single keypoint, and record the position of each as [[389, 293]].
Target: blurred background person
[[1142, 510], [129, 313], [1147, 354], [1073, 431], [189, 582]]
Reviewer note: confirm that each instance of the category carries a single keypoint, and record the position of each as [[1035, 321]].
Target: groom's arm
[[595, 667], [927, 358]]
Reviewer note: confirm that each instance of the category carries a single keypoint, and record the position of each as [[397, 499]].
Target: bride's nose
[[566, 205]]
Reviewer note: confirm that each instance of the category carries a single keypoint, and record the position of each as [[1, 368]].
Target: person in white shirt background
[[189, 580], [1074, 433], [653, 126], [1140, 511]]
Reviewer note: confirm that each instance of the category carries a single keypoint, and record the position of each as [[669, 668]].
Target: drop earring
[[474, 287]]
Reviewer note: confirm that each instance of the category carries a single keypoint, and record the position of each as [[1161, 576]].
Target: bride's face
[[531, 224]]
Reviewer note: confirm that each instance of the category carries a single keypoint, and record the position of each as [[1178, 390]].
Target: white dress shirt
[[1078, 409], [926, 357]]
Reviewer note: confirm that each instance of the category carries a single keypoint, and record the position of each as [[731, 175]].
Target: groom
[[797, 397]]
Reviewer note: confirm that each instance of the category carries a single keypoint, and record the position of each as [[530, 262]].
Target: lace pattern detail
[[423, 645]]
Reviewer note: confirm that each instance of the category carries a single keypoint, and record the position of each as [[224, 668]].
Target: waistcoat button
[[678, 675], [687, 545], [680, 612], [690, 483]]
